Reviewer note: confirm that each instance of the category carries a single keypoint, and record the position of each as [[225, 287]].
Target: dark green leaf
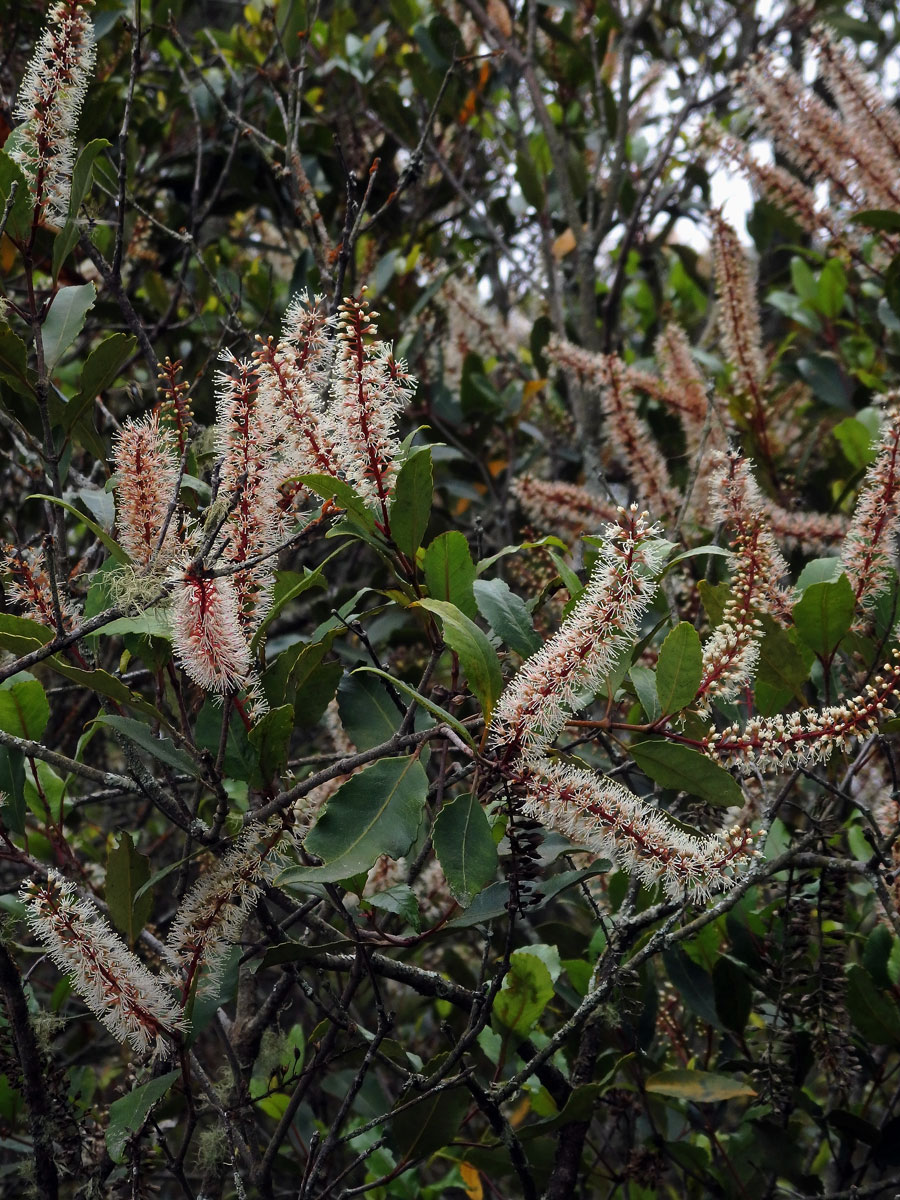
[[126, 1116], [368, 714], [783, 668], [693, 984], [271, 738], [400, 900], [377, 811], [65, 320], [872, 1011], [733, 995], [644, 680], [100, 370], [12, 785], [450, 572], [507, 615], [160, 748], [343, 494], [127, 872], [882, 219], [680, 668], [824, 613], [477, 656], [424, 1128], [675, 766], [110, 543], [411, 506], [465, 847], [18, 223]]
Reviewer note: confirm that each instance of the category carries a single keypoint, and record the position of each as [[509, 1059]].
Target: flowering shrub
[[447, 750]]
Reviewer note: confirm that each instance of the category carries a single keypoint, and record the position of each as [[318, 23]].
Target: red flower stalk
[[49, 104], [731, 653], [30, 586], [209, 642], [869, 545], [370, 388], [245, 436], [146, 482]]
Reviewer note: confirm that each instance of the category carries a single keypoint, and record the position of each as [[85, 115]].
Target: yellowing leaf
[[563, 245], [472, 1181], [531, 387]]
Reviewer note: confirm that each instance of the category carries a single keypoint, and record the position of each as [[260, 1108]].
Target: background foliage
[[500, 1014]]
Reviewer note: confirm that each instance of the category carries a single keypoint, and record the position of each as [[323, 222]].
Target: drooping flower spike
[[116, 986], [209, 641], [870, 544], [536, 704], [49, 104], [731, 653]]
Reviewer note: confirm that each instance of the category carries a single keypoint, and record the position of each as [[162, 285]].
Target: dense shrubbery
[[447, 749]]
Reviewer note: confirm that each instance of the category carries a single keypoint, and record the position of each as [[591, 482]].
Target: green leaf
[[507, 615], [160, 748], [824, 613], [18, 224], [126, 1116], [783, 669], [127, 872], [856, 442], [680, 668], [818, 570], [477, 656], [377, 811], [367, 712], [12, 785], [429, 705], [883, 219], [110, 543], [24, 711], [874, 1014], [285, 594], [400, 900], [465, 847], [831, 289], [271, 738], [20, 636], [644, 680], [65, 320], [14, 363], [330, 488], [411, 506], [100, 370], [450, 572], [424, 1128], [693, 984], [527, 990], [82, 173], [676, 766], [734, 996], [700, 1087]]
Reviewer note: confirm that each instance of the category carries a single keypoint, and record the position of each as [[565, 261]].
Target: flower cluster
[[116, 986], [868, 548], [213, 913], [146, 482], [627, 433], [209, 639], [802, 739], [535, 705], [31, 587], [731, 653], [597, 813], [49, 104], [324, 399], [853, 148]]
